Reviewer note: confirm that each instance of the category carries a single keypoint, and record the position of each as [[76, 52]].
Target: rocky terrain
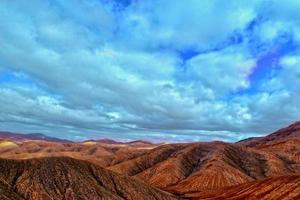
[[185, 168], [275, 188], [103, 152], [201, 167], [249, 169], [289, 133], [67, 178]]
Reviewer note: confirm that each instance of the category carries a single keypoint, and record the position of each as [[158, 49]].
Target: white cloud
[[179, 24], [222, 71], [94, 70]]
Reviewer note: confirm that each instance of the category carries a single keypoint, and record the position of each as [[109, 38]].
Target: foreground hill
[[279, 188], [66, 178]]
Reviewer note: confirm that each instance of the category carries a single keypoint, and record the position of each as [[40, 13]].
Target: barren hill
[[279, 188], [183, 169], [287, 133], [67, 178], [102, 154]]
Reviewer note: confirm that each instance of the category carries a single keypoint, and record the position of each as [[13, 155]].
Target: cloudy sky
[[161, 70]]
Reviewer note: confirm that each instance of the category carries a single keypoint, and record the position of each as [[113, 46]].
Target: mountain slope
[[99, 153], [231, 165], [182, 169], [186, 168], [67, 178], [278, 188], [287, 133], [6, 193]]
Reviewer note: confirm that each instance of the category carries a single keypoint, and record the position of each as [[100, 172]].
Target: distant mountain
[[139, 142], [110, 141], [106, 141], [102, 154], [65, 178], [30, 136]]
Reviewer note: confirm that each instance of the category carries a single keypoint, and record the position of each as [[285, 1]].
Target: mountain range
[[256, 168]]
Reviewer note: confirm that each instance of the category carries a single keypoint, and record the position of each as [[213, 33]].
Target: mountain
[[284, 134], [275, 188], [205, 166], [99, 153], [66, 178], [197, 170], [110, 141], [187, 168], [30, 136]]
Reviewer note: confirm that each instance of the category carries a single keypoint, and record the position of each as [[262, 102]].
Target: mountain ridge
[[67, 178], [206, 169]]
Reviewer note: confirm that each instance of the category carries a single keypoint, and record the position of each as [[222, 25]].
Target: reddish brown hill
[[231, 165], [66, 178], [278, 188], [185, 168], [180, 168], [288, 150], [38, 148], [290, 132], [150, 158], [99, 153], [285, 143]]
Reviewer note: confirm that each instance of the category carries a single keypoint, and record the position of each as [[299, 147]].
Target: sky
[[159, 70]]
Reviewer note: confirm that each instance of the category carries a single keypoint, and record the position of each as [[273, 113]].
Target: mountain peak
[[295, 125], [292, 130]]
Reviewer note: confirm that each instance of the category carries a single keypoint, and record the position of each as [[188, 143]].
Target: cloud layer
[[157, 70]]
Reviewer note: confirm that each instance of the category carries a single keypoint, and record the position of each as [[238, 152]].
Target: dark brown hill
[[67, 179]]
